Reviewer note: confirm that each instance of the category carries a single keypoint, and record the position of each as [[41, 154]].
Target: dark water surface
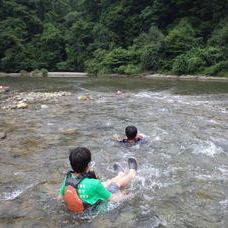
[[183, 170]]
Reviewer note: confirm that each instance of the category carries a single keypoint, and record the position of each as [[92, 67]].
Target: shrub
[[195, 60], [129, 69], [119, 56], [24, 73], [151, 57], [210, 55], [118, 60], [36, 71], [96, 65], [185, 64], [44, 72], [180, 65], [220, 68], [219, 38]]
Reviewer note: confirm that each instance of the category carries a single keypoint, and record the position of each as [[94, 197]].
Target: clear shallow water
[[183, 170]]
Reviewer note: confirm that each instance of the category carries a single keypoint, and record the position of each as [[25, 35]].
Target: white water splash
[[208, 148], [220, 173], [145, 95], [14, 194], [10, 195], [224, 171], [164, 95], [224, 203]]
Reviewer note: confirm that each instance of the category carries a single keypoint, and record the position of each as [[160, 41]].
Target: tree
[[219, 38], [78, 40], [180, 39]]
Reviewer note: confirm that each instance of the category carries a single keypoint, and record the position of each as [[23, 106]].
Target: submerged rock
[[87, 96], [11, 209], [84, 98], [69, 131], [3, 135]]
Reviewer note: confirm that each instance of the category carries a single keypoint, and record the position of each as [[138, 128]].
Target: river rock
[[44, 106], [119, 92], [18, 98], [83, 97], [71, 132], [22, 100], [11, 107], [22, 105], [3, 135]]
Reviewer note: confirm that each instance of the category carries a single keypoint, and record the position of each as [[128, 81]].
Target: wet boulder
[[22, 105]]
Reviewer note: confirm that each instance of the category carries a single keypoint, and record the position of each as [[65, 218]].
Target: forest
[[115, 36]]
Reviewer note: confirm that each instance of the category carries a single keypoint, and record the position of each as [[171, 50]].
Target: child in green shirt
[[89, 189]]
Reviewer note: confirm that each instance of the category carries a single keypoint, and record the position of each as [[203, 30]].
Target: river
[[182, 179]]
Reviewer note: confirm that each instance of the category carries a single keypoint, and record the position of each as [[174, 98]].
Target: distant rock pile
[[22, 100]]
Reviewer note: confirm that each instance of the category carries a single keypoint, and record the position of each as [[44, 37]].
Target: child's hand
[[92, 174], [116, 137], [59, 197]]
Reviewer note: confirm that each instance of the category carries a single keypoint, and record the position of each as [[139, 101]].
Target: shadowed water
[[183, 170]]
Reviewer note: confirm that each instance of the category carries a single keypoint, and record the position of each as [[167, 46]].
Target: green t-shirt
[[89, 190]]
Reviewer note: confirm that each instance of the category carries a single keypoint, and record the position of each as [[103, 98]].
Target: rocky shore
[[177, 77], [141, 75], [49, 74]]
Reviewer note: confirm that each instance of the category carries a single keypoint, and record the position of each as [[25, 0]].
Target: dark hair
[[131, 132], [79, 159]]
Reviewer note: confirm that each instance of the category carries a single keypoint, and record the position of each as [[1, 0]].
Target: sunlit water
[[183, 170]]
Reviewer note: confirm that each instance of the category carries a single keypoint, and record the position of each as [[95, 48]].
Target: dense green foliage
[[115, 36]]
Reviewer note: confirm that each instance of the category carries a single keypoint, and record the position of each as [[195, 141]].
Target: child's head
[[79, 159], [131, 132]]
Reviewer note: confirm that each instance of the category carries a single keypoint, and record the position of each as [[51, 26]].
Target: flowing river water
[[182, 179]]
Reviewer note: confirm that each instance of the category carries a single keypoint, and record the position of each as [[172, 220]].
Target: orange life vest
[[71, 198], [137, 138], [72, 201]]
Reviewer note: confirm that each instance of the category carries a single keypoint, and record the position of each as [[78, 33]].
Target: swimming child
[[82, 189], [131, 136]]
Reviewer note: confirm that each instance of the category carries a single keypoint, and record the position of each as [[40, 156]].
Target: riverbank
[[142, 75], [182, 77], [49, 74]]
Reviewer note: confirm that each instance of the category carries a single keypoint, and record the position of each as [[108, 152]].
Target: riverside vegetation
[[115, 36]]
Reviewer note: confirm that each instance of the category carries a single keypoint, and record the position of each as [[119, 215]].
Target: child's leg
[[120, 180], [123, 180]]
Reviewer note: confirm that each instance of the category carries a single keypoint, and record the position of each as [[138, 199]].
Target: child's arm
[[61, 190], [60, 197]]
